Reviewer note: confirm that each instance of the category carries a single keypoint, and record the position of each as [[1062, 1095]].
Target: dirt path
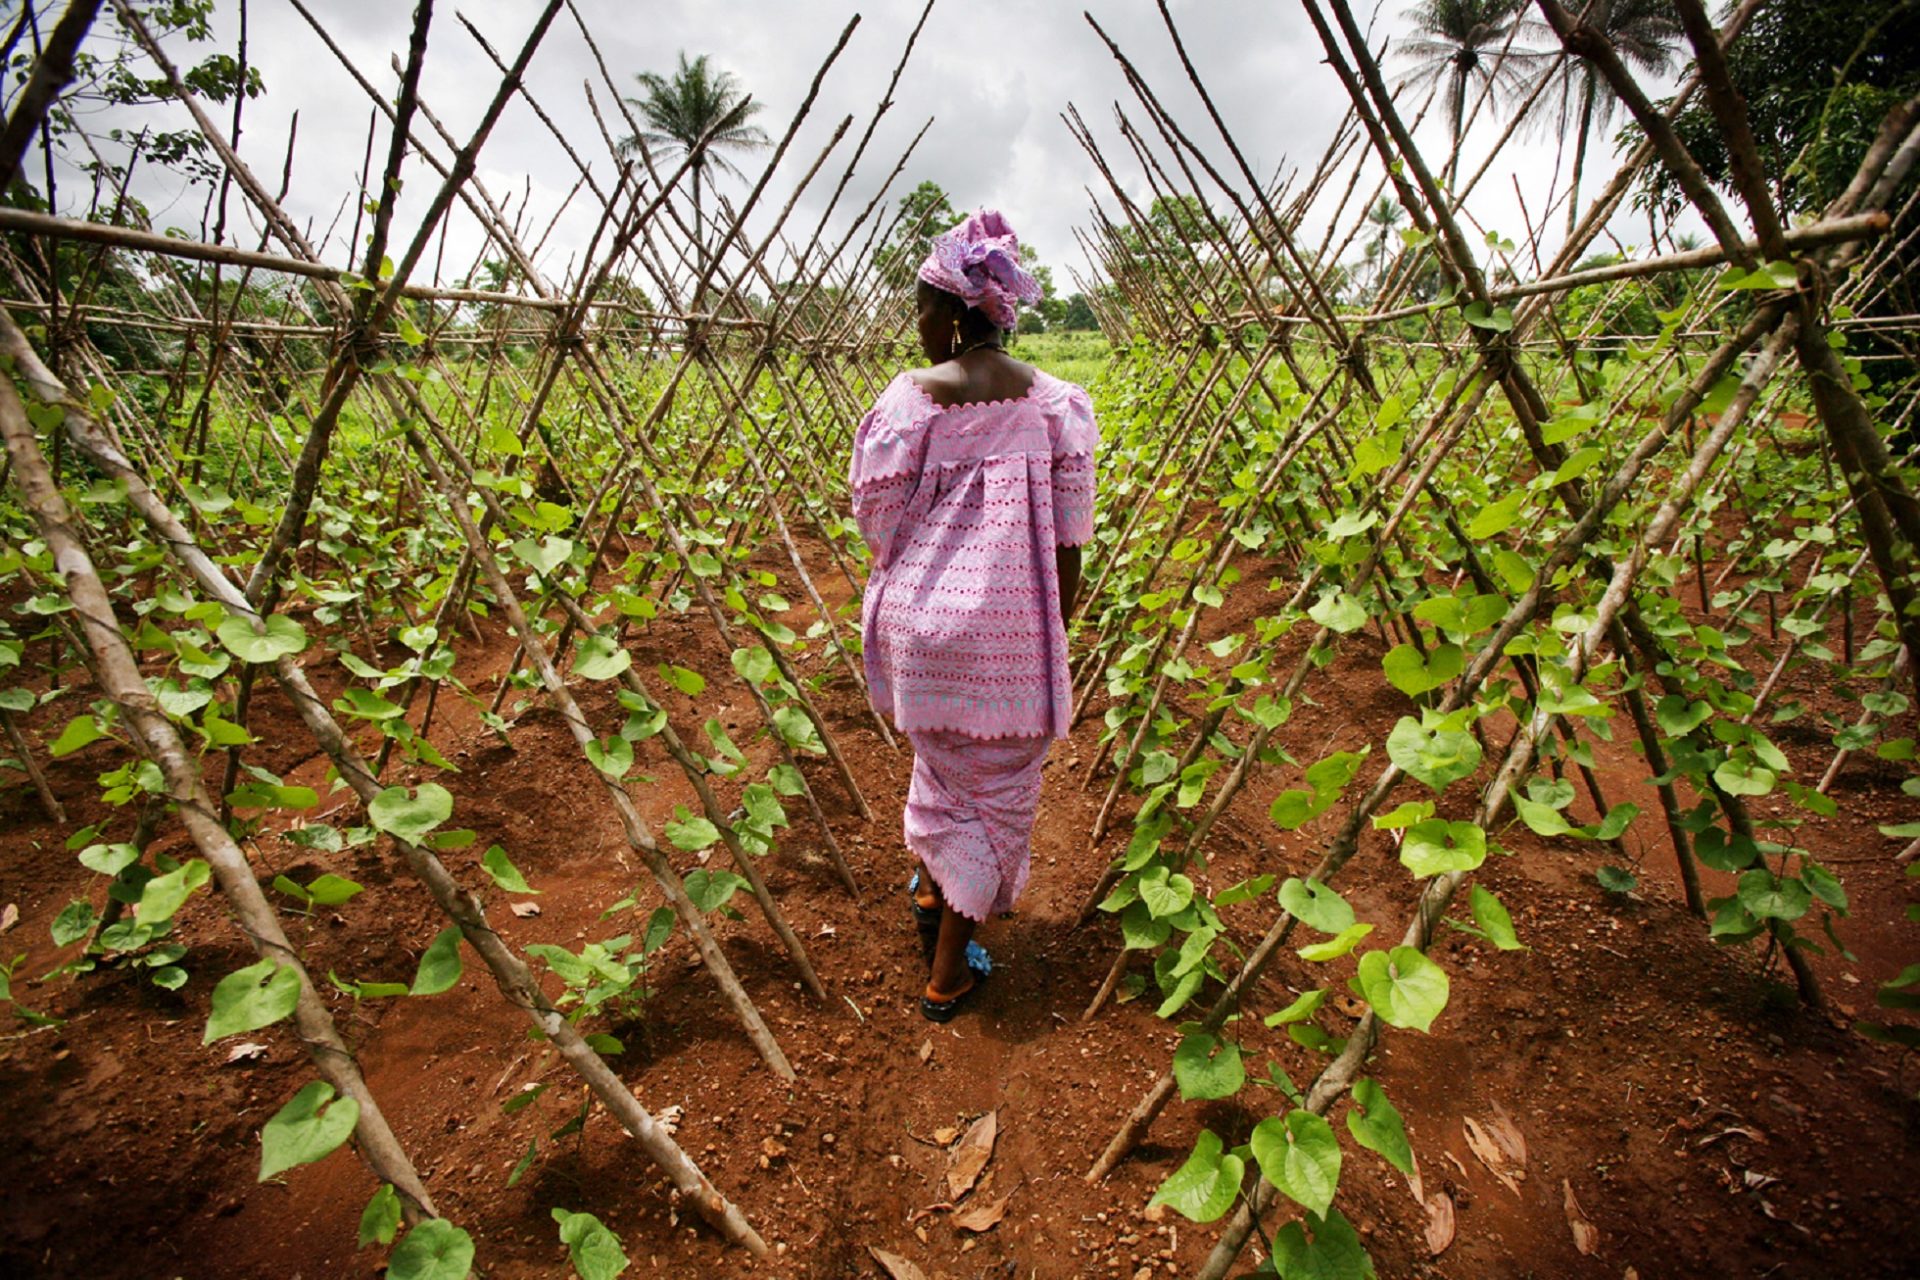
[[1704, 1125]]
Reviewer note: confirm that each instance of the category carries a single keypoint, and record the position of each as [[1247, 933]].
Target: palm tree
[[1643, 32], [698, 104], [1385, 215], [1457, 42]]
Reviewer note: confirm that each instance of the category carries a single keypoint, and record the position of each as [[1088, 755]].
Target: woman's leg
[[950, 976]]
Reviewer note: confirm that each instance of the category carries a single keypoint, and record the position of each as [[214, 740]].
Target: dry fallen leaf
[[945, 1136], [827, 931], [9, 917], [926, 1051], [1493, 1155], [1439, 1223], [971, 1156], [1415, 1184], [525, 909], [983, 1217], [1505, 1132], [246, 1051], [1586, 1236], [895, 1265]]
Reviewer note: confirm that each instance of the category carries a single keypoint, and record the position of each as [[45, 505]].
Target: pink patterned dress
[[963, 507]]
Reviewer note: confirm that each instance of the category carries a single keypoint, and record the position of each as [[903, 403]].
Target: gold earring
[[955, 345]]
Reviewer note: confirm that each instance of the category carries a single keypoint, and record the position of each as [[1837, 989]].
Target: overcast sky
[[994, 74]]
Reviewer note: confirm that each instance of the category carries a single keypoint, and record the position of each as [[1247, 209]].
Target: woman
[[973, 487]]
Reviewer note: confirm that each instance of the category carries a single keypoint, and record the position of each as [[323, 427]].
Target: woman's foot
[[944, 1004]]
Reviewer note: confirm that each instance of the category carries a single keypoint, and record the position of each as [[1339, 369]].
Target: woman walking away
[[973, 486]]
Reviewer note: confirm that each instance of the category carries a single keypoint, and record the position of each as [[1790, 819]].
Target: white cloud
[[995, 74]]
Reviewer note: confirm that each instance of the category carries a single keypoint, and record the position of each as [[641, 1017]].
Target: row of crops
[[1558, 539]]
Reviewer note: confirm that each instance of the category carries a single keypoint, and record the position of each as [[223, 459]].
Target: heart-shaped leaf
[[282, 637], [411, 815], [1207, 1067], [1436, 757], [433, 1250], [1315, 905], [1404, 987], [1206, 1186], [250, 998], [306, 1129], [1301, 1156], [1437, 846]]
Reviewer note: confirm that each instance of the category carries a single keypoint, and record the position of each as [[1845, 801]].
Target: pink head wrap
[[979, 262]]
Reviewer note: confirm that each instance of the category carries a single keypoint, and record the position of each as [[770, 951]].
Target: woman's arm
[[1066, 561]]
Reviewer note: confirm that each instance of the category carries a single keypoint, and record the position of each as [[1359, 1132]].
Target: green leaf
[[433, 1250], [329, 890], [1541, 819], [710, 890], [691, 832], [1315, 905], [109, 859], [1206, 1186], [1207, 1067], [691, 683], [170, 977], [1404, 987], [1334, 1253], [612, 756], [1824, 885], [1338, 611], [1766, 277], [306, 1129], [1741, 775], [439, 964], [380, 1220], [1494, 921], [1496, 517], [797, 731], [163, 895], [75, 921], [600, 658], [1376, 1125], [1578, 463], [282, 637], [408, 815], [1616, 880], [1436, 757], [593, 1248], [1338, 945], [1414, 675], [1437, 846], [504, 873], [1678, 717], [250, 998], [543, 558], [1300, 1010], [1165, 894], [1301, 1156], [1770, 897], [787, 780], [1495, 320], [80, 731]]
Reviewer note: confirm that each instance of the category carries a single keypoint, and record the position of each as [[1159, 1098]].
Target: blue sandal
[[980, 965]]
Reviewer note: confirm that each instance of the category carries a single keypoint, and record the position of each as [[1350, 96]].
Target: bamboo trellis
[[297, 345]]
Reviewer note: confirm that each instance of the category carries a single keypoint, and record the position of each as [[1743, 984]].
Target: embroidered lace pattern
[[962, 507]]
